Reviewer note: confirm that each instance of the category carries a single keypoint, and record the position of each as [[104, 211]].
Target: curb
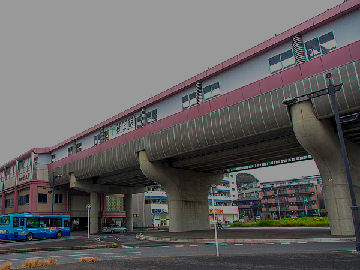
[[23, 250], [250, 241]]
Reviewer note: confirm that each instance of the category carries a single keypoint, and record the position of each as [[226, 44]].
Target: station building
[[327, 41]]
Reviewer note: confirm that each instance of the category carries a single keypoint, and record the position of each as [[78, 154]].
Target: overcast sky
[[69, 65]]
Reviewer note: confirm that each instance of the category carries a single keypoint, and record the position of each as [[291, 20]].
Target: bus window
[[15, 222], [22, 222], [32, 223], [66, 223], [55, 222], [5, 220], [44, 222]]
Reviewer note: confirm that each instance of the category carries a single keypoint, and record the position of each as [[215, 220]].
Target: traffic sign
[[88, 206]]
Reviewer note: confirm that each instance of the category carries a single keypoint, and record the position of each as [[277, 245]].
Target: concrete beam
[[106, 189], [320, 140]]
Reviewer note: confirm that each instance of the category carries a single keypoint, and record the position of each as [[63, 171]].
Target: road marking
[[179, 246], [125, 246], [285, 243], [269, 243], [239, 244], [164, 246], [84, 254], [194, 245], [302, 242]]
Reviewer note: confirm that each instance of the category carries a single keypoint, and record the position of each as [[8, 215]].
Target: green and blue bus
[[27, 226]]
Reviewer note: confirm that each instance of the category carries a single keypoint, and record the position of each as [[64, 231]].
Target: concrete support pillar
[[3, 198], [33, 197], [94, 212], [129, 212], [187, 193], [319, 140], [16, 199]]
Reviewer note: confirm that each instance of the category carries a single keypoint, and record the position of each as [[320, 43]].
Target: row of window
[[42, 198], [117, 129], [315, 47], [208, 92]]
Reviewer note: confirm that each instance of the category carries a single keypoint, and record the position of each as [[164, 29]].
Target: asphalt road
[[293, 261], [155, 252], [299, 248]]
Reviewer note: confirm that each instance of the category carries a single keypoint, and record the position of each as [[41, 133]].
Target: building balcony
[[269, 193]]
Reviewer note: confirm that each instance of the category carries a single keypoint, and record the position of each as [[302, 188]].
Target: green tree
[[245, 178]]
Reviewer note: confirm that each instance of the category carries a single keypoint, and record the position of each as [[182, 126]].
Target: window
[[15, 222], [139, 121], [42, 197], [52, 158], [106, 135], [281, 61], [320, 45], [70, 151], [32, 223], [23, 199], [151, 116], [44, 222], [20, 165], [211, 91], [58, 198], [66, 223], [189, 100], [97, 139], [78, 147], [55, 222], [9, 203]]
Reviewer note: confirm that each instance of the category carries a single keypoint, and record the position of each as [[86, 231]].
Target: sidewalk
[[250, 235], [79, 240]]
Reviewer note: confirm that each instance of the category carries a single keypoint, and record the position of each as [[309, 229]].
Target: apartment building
[[294, 197]]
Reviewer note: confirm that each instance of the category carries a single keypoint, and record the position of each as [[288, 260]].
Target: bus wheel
[[29, 237], [59, 234]]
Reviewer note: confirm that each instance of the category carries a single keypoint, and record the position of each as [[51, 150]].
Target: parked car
[[114, 228]]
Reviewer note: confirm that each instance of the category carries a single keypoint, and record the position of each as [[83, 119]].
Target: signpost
[[213, 191], [88, 207]]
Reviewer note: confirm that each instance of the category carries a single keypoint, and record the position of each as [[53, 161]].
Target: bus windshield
[[5, 220]]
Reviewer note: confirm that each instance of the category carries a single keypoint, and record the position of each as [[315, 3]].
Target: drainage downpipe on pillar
[[298, 48]]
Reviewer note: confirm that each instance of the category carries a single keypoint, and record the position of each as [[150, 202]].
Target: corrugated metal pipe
[[298, 48]]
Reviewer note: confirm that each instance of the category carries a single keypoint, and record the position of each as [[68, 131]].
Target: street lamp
[[53, 191], [213, 191], [331, 90]]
